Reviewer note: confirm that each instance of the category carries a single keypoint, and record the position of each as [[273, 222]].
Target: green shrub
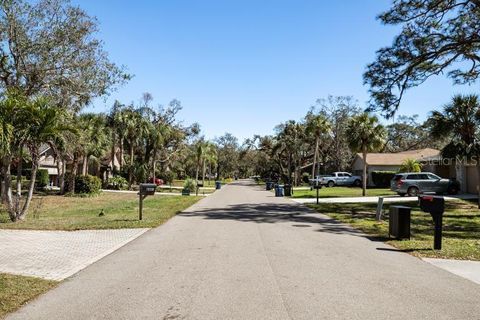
[[117, 183], [88, 184], [189, 185], [167, 177], [382, 179], [42, 178]]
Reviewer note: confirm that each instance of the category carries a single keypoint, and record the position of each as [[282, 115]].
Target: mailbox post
[[435, 205], [317, 187], [146, 189]]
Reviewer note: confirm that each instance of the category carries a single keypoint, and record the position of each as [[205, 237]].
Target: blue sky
[[243, 66]]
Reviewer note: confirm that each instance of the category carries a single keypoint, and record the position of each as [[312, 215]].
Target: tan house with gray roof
[[389, 161]]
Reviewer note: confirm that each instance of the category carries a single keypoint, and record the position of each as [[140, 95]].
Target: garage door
[[472, 180]]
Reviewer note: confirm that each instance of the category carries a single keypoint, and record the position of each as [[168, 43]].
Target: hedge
[[117, 183], [88, 184], [382, 178], [42, 178]]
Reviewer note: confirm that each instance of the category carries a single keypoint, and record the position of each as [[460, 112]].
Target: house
[[464, 171], [49, 163], [103, 168], [388, 161]]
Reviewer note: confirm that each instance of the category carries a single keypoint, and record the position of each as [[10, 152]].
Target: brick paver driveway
[[57, 255]]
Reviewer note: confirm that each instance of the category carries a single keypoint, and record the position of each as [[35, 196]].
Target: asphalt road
[[243, 254]]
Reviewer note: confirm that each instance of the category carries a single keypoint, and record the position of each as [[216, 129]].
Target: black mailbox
[[147, 189], [432, 204], [435, 205]]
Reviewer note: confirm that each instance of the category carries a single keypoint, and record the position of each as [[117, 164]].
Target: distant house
[[103, 169], [389, 161], [48, 162]]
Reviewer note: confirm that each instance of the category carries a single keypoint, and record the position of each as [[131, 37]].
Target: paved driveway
[[243, 254], [56, 255]]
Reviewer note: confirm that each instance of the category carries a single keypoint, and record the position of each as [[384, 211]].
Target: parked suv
[[413, 183]]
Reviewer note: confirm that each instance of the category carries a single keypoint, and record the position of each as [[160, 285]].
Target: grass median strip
[[120, 210], [17, 290], [461, 227]]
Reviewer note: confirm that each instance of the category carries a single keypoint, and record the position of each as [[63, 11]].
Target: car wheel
[[452, 190], [412, 191], [357, 183], [330, 184]]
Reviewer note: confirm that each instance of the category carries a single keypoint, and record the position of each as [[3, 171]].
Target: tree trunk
[[2, 184], [23, 213], [289, 179], [130, 170], [61, 175], [120, 161], [19, 177], [196, 178], [364, 175], [154, 174], [112, 151], [73, 175], [203, 172], [6, 186], [85, 165], [315, 158]]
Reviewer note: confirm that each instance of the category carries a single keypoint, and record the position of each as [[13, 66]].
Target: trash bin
[[399, 222], [279, 191], [269, 185], [218, 185], [288, 190]]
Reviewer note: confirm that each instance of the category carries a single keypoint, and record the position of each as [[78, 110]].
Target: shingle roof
[[393, 159]]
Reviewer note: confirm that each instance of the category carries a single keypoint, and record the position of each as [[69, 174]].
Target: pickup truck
[[341, 179]]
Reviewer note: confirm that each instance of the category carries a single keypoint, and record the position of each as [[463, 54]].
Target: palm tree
[[9, 107], [317, 127], [365, 135], [288, 148], [460, 121], [44, 124], [209, 157], [410, 165], [96, 138], [132, 128]]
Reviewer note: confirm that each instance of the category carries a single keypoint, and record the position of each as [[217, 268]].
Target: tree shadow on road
[[298, 216]]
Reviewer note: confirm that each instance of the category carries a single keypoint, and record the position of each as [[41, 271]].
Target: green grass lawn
[[17, 290], [337, 192], [120, 211], [461, 228]]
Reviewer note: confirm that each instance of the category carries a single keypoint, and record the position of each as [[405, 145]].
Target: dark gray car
[[413, 183]]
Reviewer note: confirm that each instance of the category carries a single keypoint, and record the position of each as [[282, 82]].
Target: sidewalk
[[464, 268]]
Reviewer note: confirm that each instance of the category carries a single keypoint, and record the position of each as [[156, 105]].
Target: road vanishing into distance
[[242, 253]]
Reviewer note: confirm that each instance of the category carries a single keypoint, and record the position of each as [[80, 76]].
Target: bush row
[[382, 179]]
